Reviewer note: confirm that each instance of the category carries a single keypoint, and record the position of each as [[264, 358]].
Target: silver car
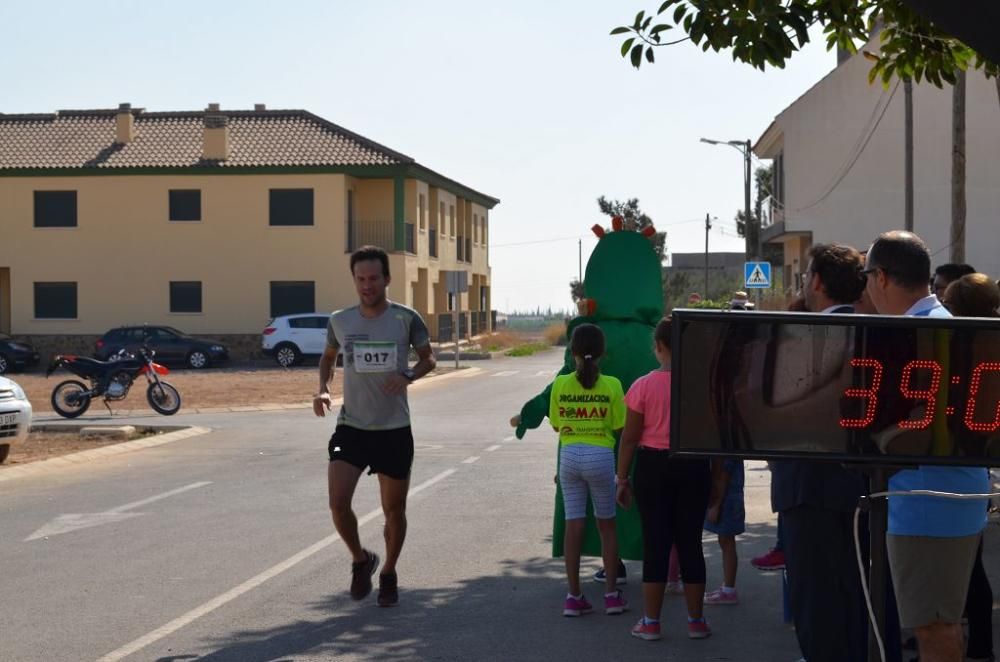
[[15, 416]]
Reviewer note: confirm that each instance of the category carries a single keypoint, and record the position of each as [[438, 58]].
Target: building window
[[291, 206], [475, 229], [55, 209], [441, 221], [451, 220], [185, 296], [55, 301], [423, 212], [484, 231], [290, 297], [185, 205]]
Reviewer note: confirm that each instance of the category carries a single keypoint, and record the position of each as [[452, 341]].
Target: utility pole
[[753, 225], [579, 266], [958, 170], [908, 132], [708, 226]]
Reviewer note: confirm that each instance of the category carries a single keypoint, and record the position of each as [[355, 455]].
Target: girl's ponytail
[[587, 345]]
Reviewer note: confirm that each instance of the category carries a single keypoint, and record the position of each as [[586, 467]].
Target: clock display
[[839, 387]]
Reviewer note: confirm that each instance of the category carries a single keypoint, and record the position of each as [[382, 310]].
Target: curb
[[47, 466]]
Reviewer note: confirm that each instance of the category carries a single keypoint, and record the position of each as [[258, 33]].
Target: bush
[[501, 340], [555, 334]]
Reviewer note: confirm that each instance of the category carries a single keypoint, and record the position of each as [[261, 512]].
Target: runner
[[373, 427]]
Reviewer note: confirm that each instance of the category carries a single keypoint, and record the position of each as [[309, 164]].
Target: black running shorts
[[388, 452]]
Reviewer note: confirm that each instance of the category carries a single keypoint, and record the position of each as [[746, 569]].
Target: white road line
[[250, 584], [545, 373], [470, 460], [492, 448], [143, 502], [505, 373], [510, 438]]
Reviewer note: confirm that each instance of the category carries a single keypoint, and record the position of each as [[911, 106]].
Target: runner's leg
[[393, 492], [342, 478]]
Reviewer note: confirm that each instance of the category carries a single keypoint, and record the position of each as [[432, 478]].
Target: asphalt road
[[221, 548]]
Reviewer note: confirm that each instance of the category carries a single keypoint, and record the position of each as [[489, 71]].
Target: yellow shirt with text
[[587, 416]]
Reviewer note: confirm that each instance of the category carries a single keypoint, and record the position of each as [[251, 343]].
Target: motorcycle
[[112, 379]]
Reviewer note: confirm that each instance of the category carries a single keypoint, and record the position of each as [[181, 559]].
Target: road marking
[[505, 373], [470, 460], [76, 521], [492, 448], [545, 373], [510, 438], [250, 584]]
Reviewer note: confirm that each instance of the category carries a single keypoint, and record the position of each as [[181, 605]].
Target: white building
[[838, 154]]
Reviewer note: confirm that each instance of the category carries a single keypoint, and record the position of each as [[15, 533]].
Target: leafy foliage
[[768, 32], [633, 216]]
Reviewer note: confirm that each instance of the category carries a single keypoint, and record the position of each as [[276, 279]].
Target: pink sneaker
[[646, 631], [576, 606], [615, 603], [774, 559], [699, 630], [719, 597]]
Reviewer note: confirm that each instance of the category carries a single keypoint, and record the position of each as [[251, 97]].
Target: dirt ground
[[225, 387], [45, 445]]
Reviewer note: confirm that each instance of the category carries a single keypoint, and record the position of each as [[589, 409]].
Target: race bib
[[374, 356]]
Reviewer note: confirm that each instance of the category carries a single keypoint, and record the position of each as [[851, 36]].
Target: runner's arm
[[425, 361]]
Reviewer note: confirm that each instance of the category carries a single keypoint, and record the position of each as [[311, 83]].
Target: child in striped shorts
[[586, 408]]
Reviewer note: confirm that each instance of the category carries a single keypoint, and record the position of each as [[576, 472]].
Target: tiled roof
[[86, 139]]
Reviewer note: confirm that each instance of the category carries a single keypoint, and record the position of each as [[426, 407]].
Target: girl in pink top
[[672, 495]]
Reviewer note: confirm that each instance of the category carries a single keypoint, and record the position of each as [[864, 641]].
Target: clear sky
[[529, 102]]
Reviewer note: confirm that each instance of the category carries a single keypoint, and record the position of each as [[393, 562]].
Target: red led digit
[[870, 394], [970, 407], [929, 395]]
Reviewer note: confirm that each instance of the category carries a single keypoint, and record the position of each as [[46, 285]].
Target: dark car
[[170, 345], [15, 355]]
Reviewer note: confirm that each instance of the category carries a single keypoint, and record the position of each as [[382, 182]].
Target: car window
[[162, 335], [319, 322], [299, 322]]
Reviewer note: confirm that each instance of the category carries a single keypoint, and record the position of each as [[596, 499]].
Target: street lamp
[[752, 230]]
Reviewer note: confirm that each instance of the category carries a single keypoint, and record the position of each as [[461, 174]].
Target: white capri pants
[[586, 468]]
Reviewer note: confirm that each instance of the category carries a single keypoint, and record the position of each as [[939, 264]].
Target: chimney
[[259, 106], [215, 142], [124, 124]]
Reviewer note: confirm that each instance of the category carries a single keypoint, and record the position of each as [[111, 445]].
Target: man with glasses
[[931, 541], [946, 274]]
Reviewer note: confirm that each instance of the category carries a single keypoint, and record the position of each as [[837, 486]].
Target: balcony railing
[[379, 233]]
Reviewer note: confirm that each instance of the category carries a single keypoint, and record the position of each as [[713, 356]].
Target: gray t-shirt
[[373, 350]]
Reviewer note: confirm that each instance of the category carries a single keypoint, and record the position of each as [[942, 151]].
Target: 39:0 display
[[928, 396]]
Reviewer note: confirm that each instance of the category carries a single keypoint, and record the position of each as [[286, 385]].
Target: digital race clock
[[860, 388]]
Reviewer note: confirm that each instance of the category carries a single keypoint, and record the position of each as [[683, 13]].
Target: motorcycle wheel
[[68, 400], [163, 398]]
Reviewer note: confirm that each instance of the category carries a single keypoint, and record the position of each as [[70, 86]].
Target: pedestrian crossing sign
[[757, 274]]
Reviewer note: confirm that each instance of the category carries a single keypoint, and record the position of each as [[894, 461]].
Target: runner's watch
[[409, 374]]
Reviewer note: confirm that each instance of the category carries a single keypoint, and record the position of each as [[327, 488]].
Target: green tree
[[634, 219], [769, 32]]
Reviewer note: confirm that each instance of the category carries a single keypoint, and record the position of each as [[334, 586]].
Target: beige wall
[[821, 133], [124, 251]]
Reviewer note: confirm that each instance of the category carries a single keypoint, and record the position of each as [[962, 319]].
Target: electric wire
[[857, 545]]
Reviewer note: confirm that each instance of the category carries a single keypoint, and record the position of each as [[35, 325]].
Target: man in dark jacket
[[816, 501]]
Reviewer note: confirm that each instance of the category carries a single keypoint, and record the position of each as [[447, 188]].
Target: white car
[[290, 337], [15, 416]]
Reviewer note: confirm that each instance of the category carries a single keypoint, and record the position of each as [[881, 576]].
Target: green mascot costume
[[623, 290]]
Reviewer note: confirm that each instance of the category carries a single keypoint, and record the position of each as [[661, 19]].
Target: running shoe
[[576, 606], [361, 576]]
